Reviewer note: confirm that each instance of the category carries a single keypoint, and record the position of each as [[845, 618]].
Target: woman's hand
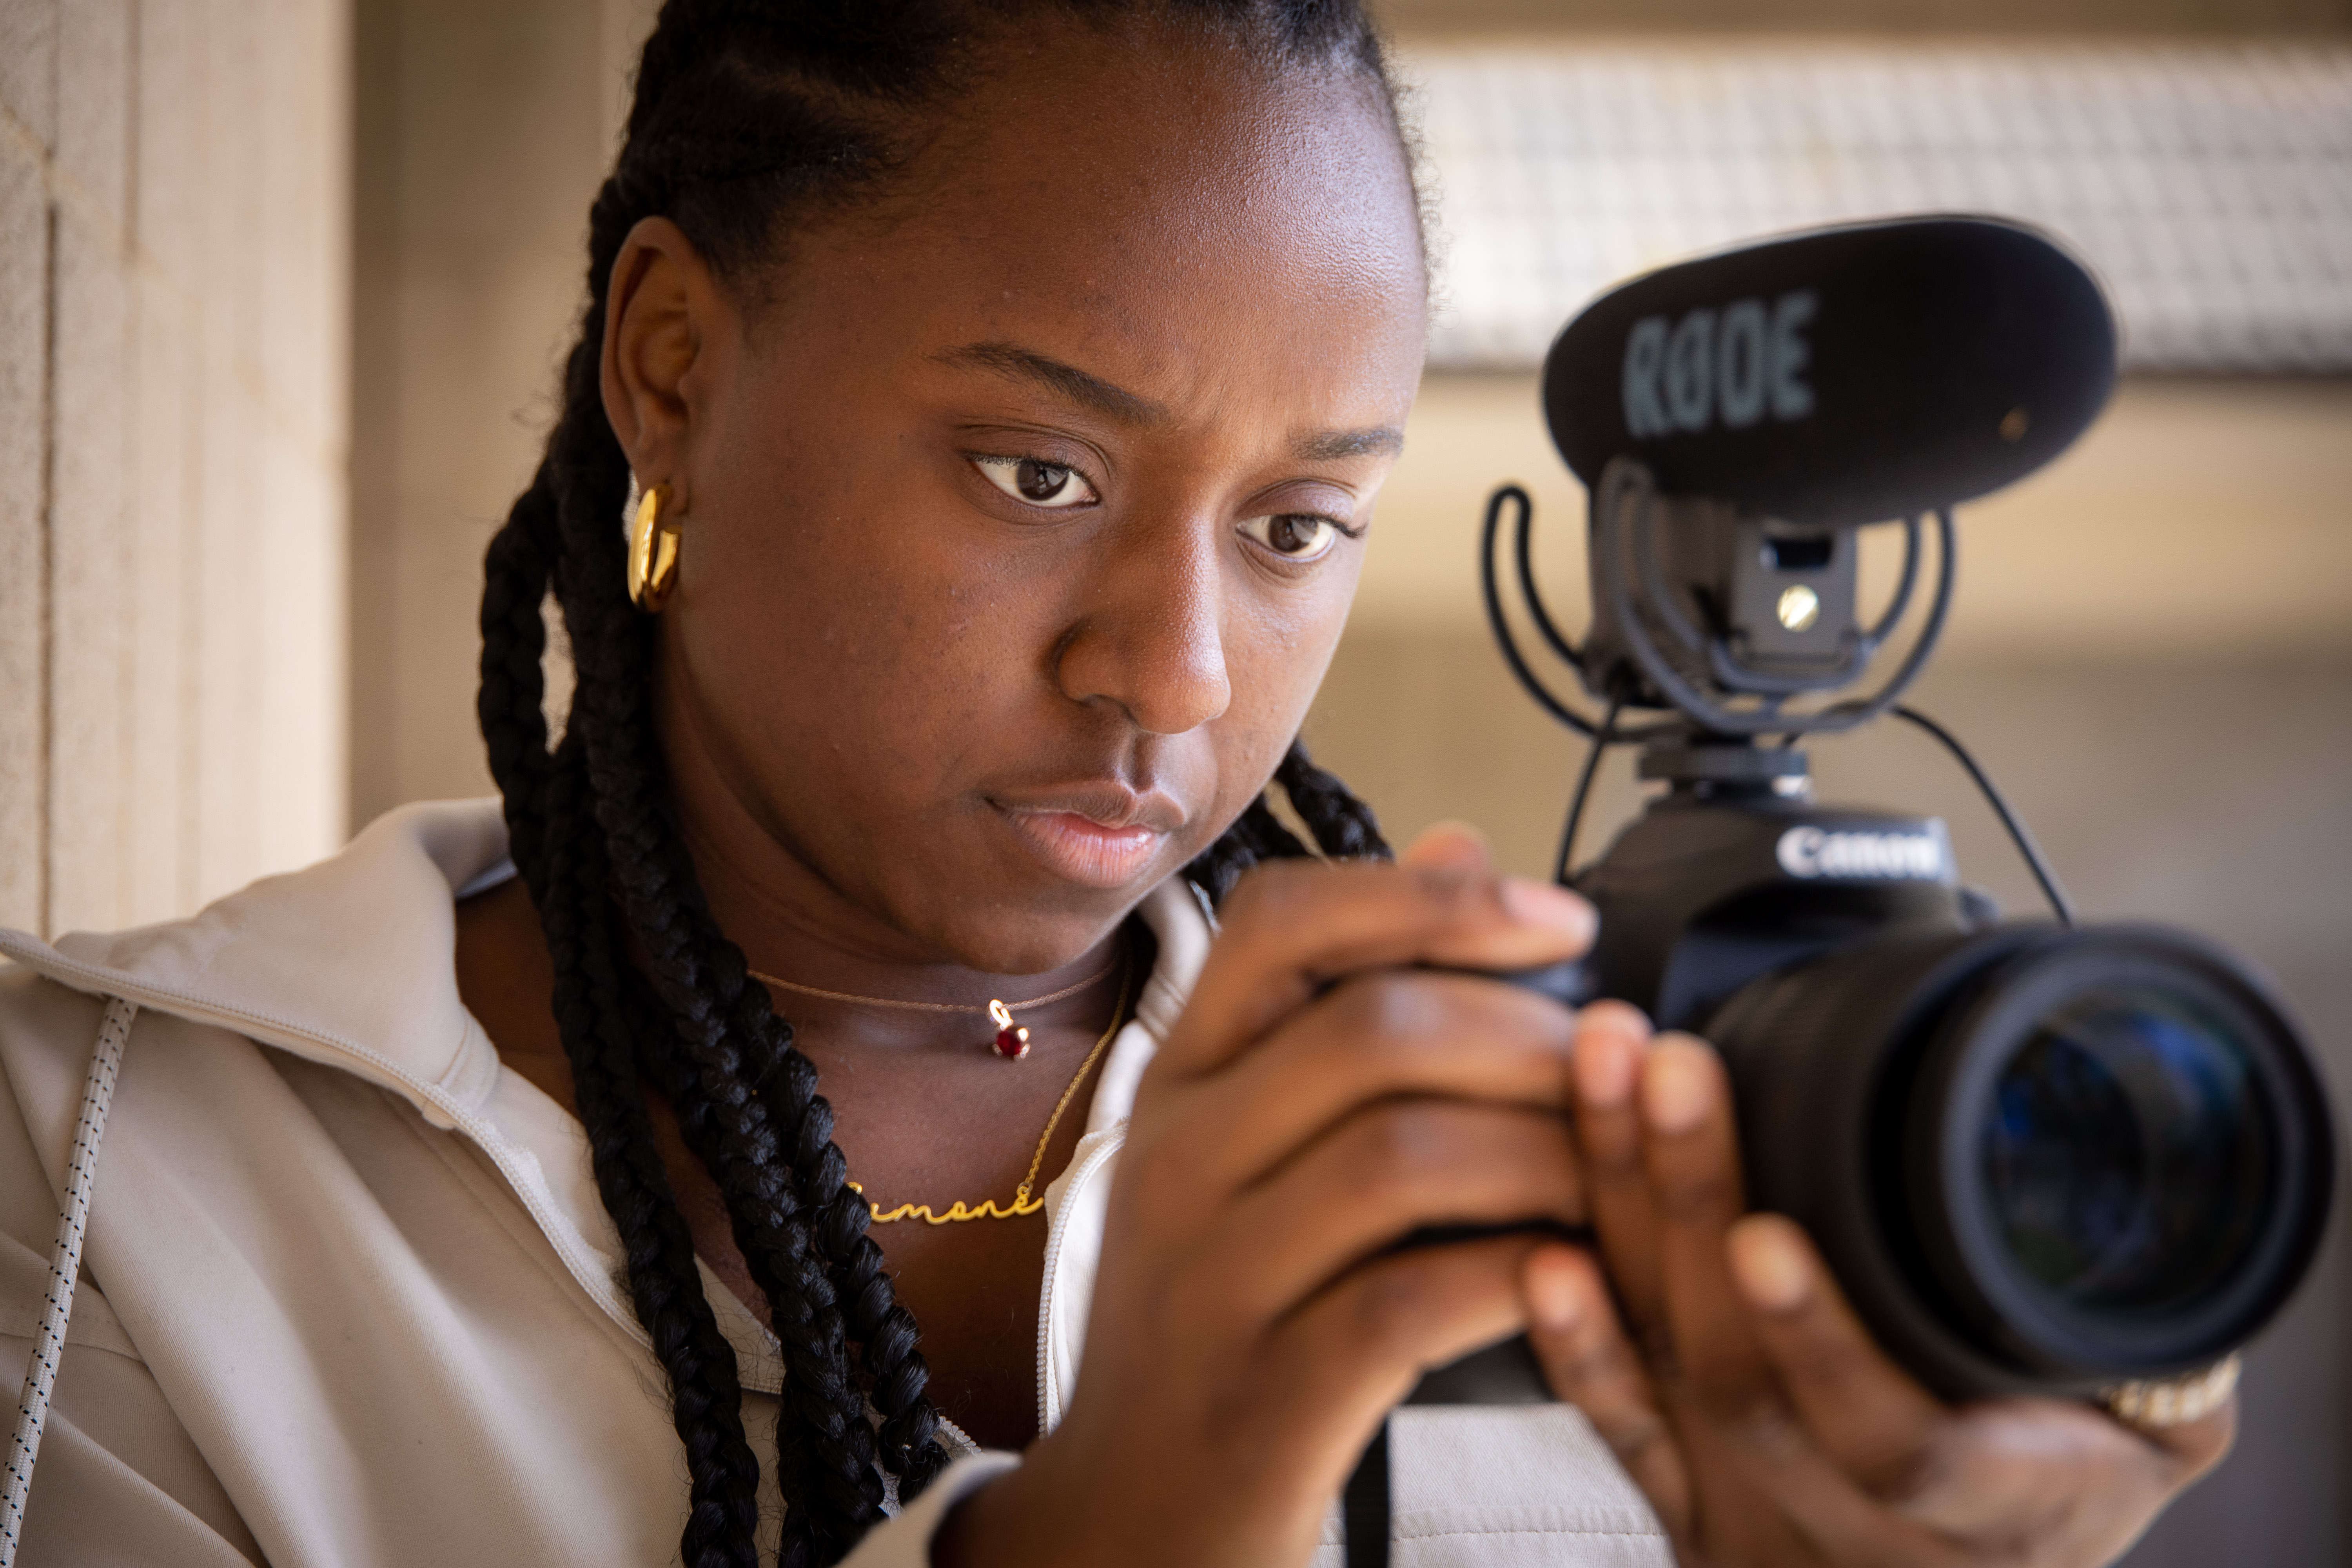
[[1742, 1395], [1325, 1093]]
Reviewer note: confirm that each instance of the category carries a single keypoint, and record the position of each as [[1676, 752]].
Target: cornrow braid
[[747, 113]]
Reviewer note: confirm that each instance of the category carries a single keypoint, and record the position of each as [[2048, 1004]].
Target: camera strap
[[1364, 1505]]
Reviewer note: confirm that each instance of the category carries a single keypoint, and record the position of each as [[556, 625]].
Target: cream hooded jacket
[[349, 1296]]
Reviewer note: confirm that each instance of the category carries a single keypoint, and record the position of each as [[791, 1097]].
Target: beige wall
[[173, 206], [2196, 515], [483, 130]]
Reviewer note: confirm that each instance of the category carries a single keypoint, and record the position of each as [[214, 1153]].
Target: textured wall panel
[[23, 590], [228, 719], [157, 597], [94, 75], [88, 615], [28, 65], [168, 186], [2210, 185], [174, 191]]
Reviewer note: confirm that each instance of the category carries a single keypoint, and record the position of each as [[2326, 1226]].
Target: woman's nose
[[1149, 633]]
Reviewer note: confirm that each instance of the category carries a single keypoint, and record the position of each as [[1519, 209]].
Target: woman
[[996, 397]]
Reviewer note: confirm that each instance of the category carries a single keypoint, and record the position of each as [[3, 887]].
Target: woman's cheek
[[1281, 650]]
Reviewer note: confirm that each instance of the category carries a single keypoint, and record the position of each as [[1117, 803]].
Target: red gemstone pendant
[[1011, 1040]]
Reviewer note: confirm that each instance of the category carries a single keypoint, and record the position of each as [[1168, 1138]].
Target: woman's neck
[[822, 934]]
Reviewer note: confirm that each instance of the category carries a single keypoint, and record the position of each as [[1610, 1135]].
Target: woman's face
[[1022, 511]]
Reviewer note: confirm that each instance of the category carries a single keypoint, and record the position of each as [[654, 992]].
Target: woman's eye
[[1036, 482], [1294, 536]]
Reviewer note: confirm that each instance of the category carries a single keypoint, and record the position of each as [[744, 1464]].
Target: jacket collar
[[349, 962], [352, 961]]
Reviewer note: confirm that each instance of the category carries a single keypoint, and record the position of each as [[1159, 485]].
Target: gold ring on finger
[[2152, 1404]]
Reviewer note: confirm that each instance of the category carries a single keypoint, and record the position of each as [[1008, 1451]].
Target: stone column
[[175, 260]]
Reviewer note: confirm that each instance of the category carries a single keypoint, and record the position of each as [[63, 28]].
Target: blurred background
[[287, 281]]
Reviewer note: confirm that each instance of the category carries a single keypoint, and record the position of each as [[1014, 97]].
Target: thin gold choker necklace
[[1023, 1204], [1012, 1041]]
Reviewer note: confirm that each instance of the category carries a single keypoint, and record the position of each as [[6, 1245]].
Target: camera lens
[[2126, 1155], [2118, 1154], [2038, 1159]]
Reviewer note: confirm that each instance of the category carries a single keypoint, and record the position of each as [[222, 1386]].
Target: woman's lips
[[1097, 841], [1082, 850]]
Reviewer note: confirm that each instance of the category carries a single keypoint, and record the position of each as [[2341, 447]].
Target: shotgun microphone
[[1840, 376]]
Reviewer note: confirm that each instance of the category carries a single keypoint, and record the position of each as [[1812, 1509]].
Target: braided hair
[[747, 113]]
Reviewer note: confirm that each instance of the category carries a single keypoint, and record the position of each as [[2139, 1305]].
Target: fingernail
[[1771, 1269], [1552, 1294], [1546, 904], [1605, 1063], [1448, 844], [1677, 1090]]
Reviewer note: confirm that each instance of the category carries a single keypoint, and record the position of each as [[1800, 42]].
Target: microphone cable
[[2063, 906], [1603, 739]]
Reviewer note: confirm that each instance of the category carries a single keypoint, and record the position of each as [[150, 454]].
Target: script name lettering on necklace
[[1026, 1200]]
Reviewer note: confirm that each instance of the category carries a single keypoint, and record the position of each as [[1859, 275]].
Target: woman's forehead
[[1185, 144], [1195, 229]]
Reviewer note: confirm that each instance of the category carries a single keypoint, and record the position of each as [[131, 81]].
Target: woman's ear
[[662, 310]]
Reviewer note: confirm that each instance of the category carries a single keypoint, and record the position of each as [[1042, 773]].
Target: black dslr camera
[[2040, 1157]]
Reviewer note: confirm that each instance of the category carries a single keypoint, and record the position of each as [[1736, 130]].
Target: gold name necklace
[[1023, 1203]]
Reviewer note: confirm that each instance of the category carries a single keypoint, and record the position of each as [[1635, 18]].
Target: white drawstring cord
[[65, 1269]]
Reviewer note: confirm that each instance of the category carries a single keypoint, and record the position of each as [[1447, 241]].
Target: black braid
[[1343, 826], [734, 1044], [546, 805], [748, 112], [516, 580], [665, 1286]]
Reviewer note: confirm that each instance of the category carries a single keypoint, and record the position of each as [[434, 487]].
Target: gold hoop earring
[[653, 551]]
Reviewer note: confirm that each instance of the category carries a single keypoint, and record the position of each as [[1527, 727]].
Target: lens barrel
[[2037, 1159]]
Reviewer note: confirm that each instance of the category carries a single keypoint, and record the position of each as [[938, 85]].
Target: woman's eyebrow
[[1091, 391], [1330, 446], [1079, 386]]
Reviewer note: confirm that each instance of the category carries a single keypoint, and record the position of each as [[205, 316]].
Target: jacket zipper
[[1079, 1177]]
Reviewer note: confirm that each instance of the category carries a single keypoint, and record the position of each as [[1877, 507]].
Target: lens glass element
[[2128, 1154]]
